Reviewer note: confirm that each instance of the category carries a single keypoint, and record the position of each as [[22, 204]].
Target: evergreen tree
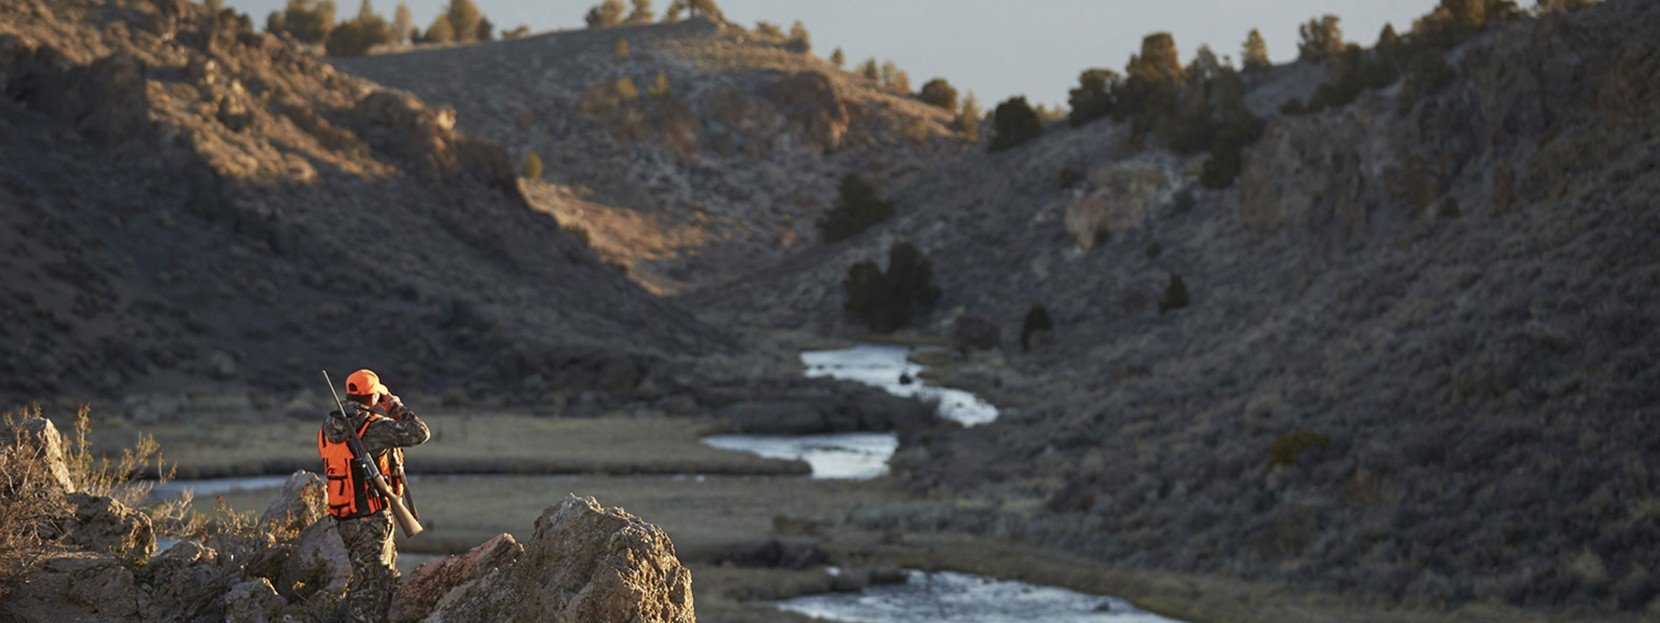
[[968, 118], [517, 32], [859, 206], [1254, 55], [1158, 61], [837, 58], [1388, 41], [769, 30], [870, 72], [440, 31], [402, 23], [486, 30], [1093, 99], [671, 15], [464, 18], [1320, 38], [887, 301], [799, 40], [642, 13], [706, 9], [1013, 123], [939, 93], [889, 72], [356, 36], [307, 20]]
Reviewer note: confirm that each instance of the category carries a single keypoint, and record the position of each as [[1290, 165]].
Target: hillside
[[191, 203], [722, 173], [1419, 359]]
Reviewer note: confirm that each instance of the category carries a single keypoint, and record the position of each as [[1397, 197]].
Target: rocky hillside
[[1419, 355], [715, 158], [190, 202]]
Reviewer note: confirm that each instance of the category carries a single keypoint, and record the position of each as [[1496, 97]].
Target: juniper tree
[[1094, 96], [642, 13], [968, 117], [1254, 54], [1014, 122], [402, 22], [799, 40], [1320, 38], [939, 93], [859, 206], [838, 58]]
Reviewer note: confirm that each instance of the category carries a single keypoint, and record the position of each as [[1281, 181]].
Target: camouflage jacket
[[404, 429]]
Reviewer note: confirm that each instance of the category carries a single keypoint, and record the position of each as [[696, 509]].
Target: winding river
[[860, 455]]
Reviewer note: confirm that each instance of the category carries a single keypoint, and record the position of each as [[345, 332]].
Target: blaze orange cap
[[364, 383]]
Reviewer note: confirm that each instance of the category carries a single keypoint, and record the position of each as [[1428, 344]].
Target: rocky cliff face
[[1418, 359], [191, 202], [717, 171]]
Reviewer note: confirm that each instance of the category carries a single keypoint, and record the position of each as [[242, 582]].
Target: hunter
[[361, 514]]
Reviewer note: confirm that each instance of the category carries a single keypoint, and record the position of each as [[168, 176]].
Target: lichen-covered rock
[[299, 504], [584, 563], [430, 582]]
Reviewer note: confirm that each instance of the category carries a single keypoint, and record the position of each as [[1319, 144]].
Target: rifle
[[360, 457]]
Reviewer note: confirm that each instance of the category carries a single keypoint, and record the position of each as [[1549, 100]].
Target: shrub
[[1175, 295], [887, 301], [607, 13], [1037, 319], [532, 167], [622, 49], [1093, 99], [518, 32], [1289, 447], [1320, 38], [769, 30], [626, 91], [971, 332], [355, 37], [858, 207], [968, 118], [869, 70], [938, 92], [1013, 123], [838, 58], [29, 500]]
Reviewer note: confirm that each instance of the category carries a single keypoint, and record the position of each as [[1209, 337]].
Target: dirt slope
[[721, 174]]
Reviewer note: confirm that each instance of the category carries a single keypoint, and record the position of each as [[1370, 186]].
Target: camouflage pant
[[374, 559]]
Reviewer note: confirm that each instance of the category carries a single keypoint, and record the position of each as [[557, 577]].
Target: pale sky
[[996, 48]]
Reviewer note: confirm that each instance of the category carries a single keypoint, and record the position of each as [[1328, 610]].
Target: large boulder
[[583, 563], [72, 587], [299, 504], [105, 525], [430, 582], [39, 433]]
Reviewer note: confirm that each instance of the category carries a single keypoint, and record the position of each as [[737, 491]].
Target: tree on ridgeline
[[769, 30], [1093, 99], [439, 32], [938, 92], [838, 58], [799, 40], [705, 9], [1388, 41], [356, 36], [607, 13], [1013, 123], [464, 18], [859, 206], [642, 13], [1152, 84], [1254, 54], [486, 30], [869, 70], [1320, 38], [308, 21], [403, 24]]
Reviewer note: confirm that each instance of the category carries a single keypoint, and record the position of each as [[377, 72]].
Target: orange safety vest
[[349, 493]]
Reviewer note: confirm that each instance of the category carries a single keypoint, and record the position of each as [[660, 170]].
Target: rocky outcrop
[[74, 586], [421, 590], [299, 504], [103, 524], [583, 563], [39, 434]]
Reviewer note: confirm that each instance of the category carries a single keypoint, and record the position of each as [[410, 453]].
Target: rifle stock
[[400, 514]]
